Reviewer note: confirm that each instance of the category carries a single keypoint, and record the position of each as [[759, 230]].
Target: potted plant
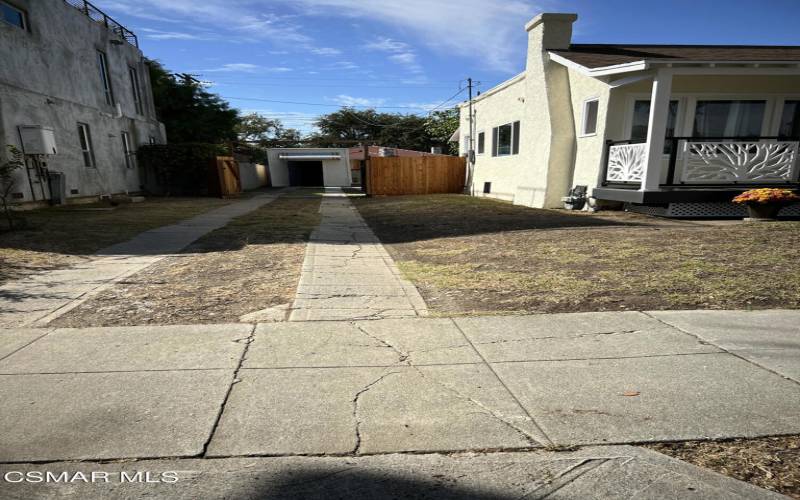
[[765, 203]]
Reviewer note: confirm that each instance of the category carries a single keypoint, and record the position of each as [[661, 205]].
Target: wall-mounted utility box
[[38, 140]]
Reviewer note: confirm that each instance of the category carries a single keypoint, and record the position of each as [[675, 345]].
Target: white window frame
[[586, 104], [105, 77], [126, 149], [88, 152], [495, 146], [775, 120], [477, 143], [23, 15]]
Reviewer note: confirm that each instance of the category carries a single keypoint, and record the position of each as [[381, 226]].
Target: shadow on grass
[[404, 219]]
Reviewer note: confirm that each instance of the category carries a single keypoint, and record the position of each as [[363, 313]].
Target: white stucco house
[[669, 129], [329, 167]]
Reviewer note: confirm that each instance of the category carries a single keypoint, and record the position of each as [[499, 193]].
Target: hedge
[[180, 169]]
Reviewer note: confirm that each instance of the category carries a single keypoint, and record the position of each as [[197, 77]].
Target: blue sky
[[405, 56]]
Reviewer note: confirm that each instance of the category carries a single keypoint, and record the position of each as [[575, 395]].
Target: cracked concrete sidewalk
[[375, 388], [39, 299], [347, 273], [411, 385]]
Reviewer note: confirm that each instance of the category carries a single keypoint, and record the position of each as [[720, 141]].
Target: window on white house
[[589, 125], [481, 142], [728, 118], [505, 139], [126, 148], [790, 120], [13, 16], [152, 140], [465, 147], [105, 79], [85, 142], [137, 93], [641, 119]]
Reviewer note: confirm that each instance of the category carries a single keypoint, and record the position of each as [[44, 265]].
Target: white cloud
[[173, 35], [326, 51], [246, 68], [487, 29], [347, 100], [401, 53], [247, 19], [387, 45], [345, 65]]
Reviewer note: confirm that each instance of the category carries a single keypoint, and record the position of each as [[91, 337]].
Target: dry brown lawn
[[251, 264], [480, 256], [772, 463], [62, 236]]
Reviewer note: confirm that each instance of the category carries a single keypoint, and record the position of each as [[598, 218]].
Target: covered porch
[[700, 133]]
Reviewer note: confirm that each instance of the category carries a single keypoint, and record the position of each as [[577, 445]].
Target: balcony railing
[[709, 162], [101, 17]]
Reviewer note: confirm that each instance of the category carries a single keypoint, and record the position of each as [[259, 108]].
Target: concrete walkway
[[420, 385], [347, 274], [38, 299]]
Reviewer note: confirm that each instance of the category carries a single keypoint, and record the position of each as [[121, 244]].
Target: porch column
[[657, 129]]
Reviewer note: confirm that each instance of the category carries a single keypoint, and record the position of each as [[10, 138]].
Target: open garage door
[[305, 173]]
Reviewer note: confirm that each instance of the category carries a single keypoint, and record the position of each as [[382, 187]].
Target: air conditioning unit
[[38, 140]]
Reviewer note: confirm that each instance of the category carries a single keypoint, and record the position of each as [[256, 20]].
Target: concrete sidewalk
[[607, 472], [348, 274], [397, 385], [40, 298], [421, 385]]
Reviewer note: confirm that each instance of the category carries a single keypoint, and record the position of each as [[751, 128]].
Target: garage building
[[329, 167]]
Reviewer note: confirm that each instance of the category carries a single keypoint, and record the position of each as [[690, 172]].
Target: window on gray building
[[13, 16], [85, 141], [136, 90], [126, 149], [105, 78]]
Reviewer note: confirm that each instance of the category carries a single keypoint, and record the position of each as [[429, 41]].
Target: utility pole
[[470, 144]]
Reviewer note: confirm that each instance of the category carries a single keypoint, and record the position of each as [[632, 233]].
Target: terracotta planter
[[768, 211]]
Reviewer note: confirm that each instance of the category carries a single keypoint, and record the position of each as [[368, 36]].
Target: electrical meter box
[[38, 140]]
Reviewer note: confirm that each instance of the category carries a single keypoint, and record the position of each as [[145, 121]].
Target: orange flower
[[767, 195]]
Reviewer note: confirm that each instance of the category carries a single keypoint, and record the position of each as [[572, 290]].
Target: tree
[[7, 181], [188, 111], [348, 126], [266, 132], [441, 126]]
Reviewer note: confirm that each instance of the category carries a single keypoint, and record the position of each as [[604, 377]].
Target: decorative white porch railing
[[626, 162], [741, 161]]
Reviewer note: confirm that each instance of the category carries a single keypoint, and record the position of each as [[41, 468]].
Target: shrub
[[7, 168]]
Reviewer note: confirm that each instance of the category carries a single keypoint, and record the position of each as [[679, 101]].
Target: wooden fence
[[415, 175], [223, 177]]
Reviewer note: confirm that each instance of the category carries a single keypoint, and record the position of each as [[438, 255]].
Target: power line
[[299, 103]]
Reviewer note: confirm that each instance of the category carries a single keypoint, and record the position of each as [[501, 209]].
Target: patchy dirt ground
[[62, 236], [480, 256], [251, 264], [772, 463]]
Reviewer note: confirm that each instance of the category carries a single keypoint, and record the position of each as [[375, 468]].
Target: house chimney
[[549, 31]]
